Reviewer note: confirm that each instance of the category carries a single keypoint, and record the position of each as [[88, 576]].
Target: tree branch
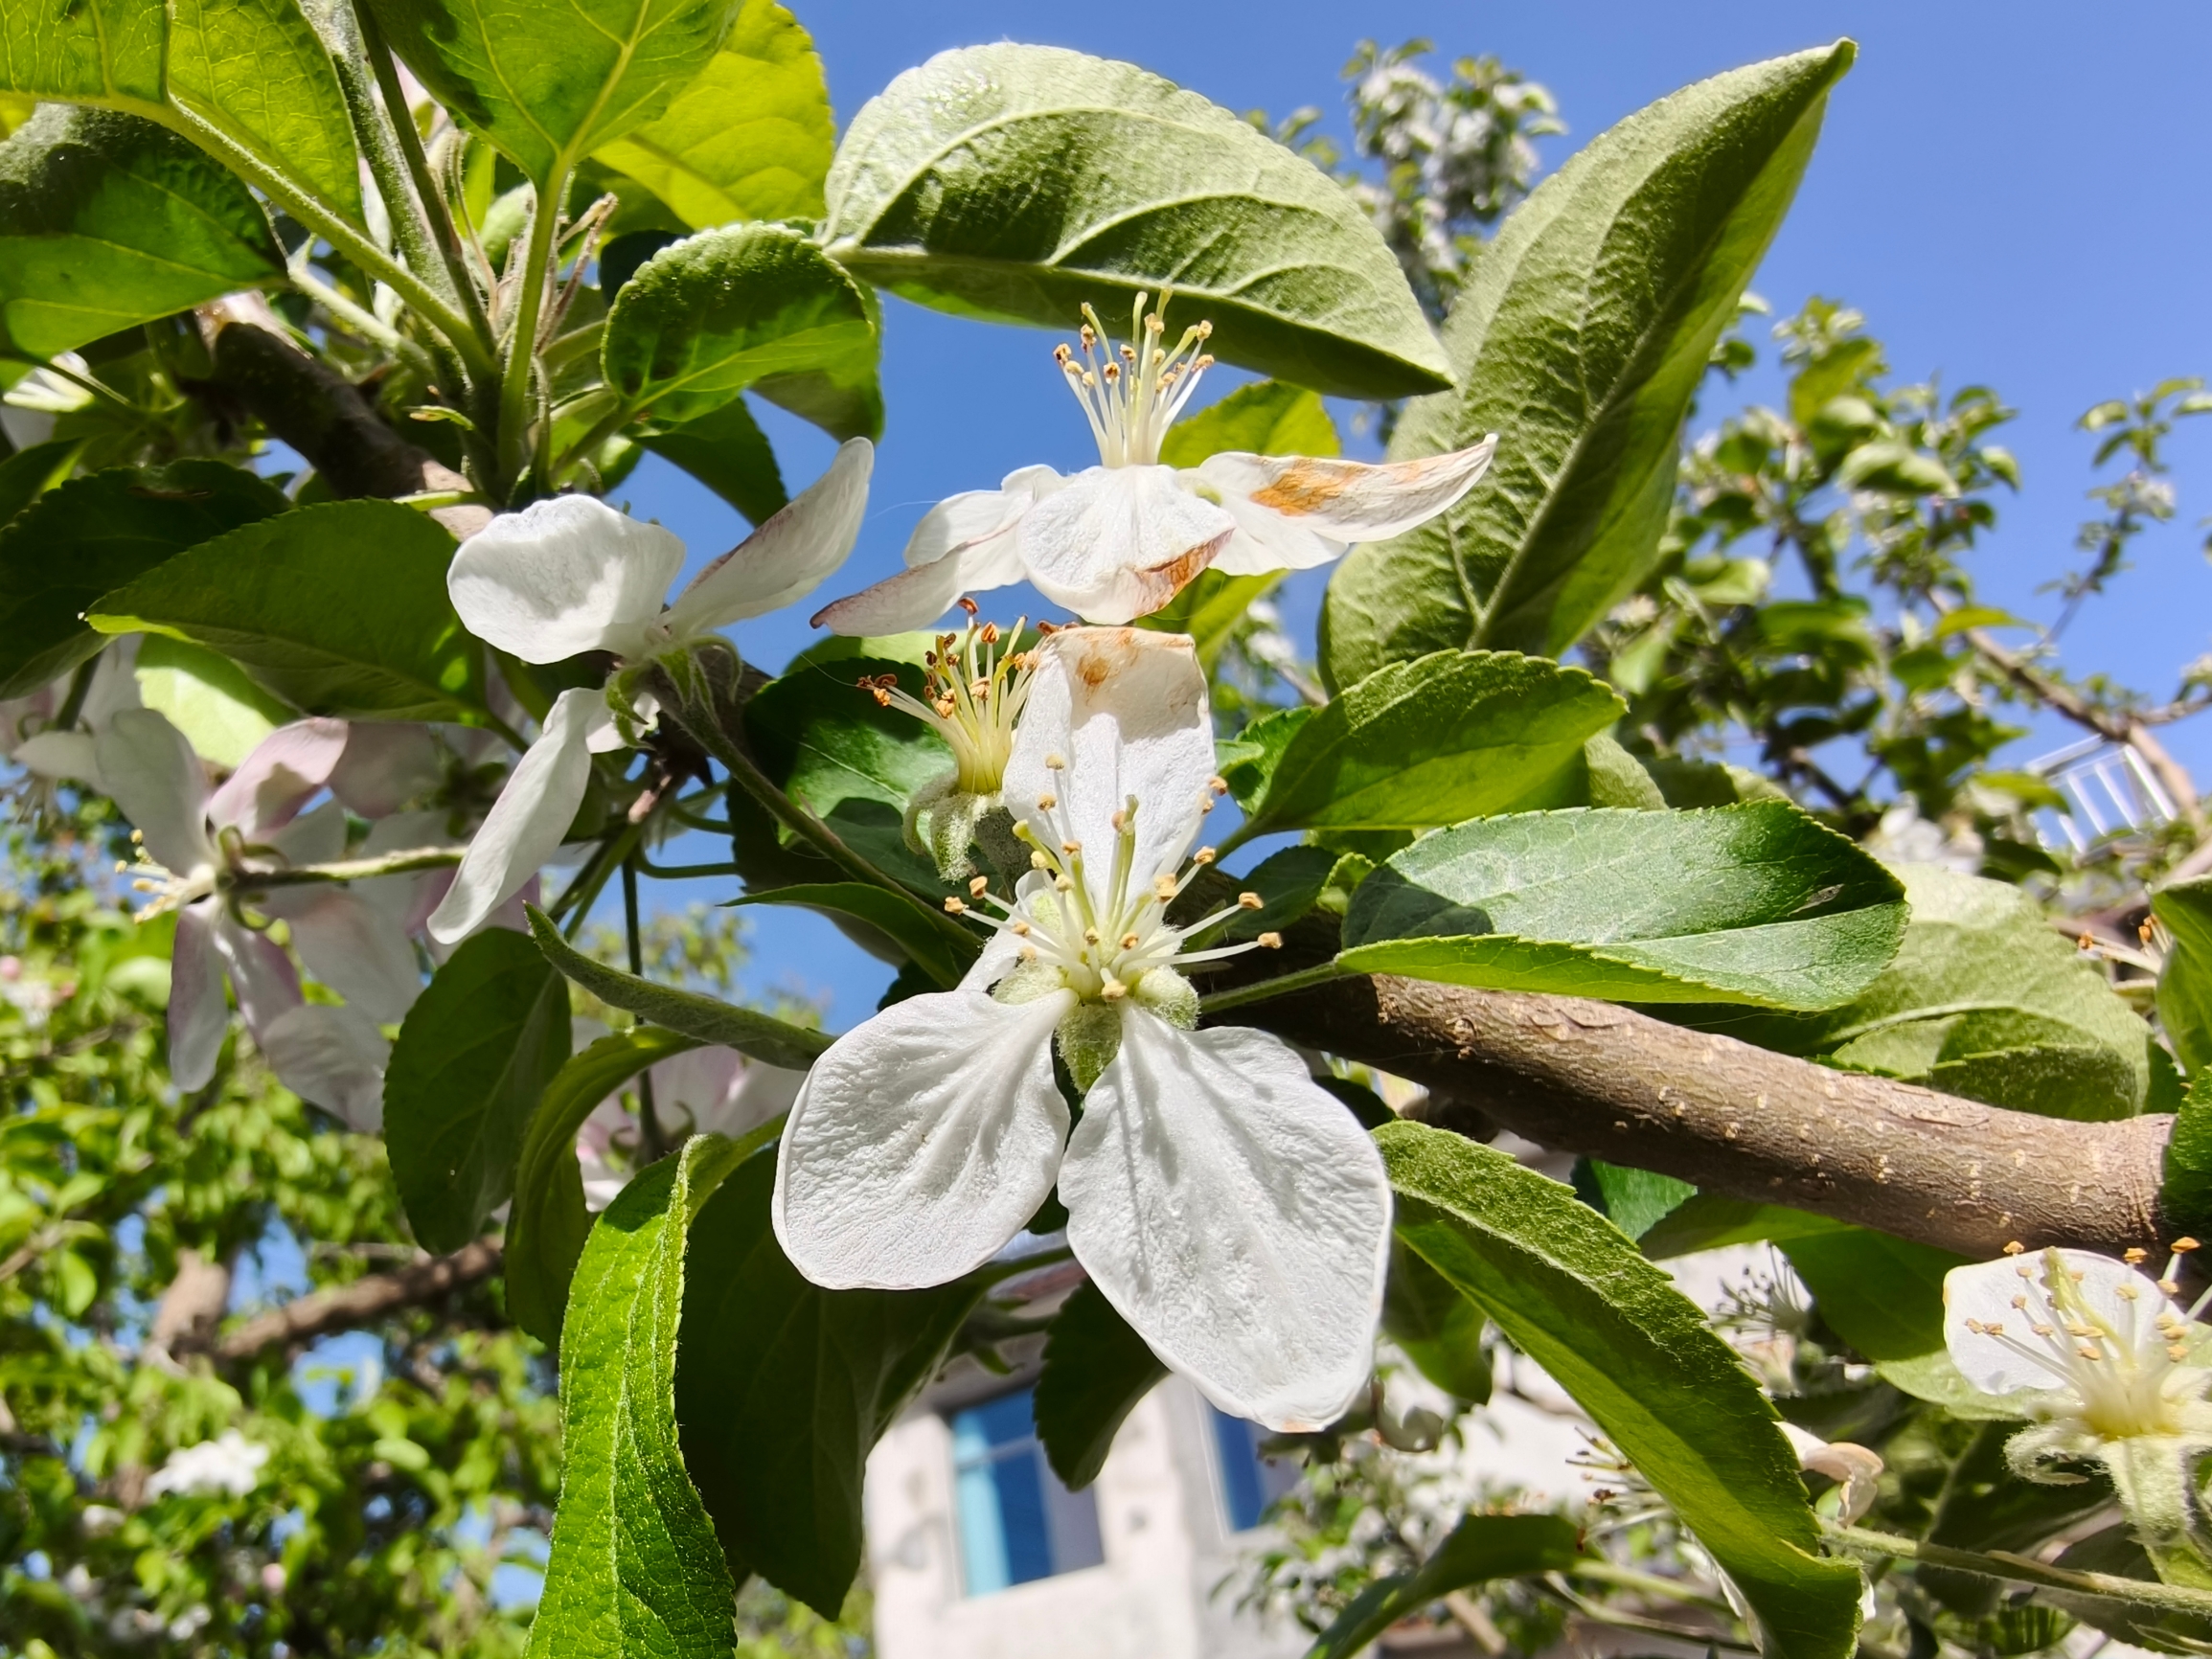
[[347, 1307]]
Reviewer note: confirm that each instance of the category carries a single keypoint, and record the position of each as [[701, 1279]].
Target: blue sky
[[2013, 194]]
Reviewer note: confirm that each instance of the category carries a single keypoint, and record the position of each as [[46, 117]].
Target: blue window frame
[[1250, 1480], [1017, 1521]]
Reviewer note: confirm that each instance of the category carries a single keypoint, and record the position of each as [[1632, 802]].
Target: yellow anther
[[2134, 1254], [1204, 855], [1250, 901], [955, 906], [1055, 763], [1028, 953], [1063, 884], [1090, 935], [2088, 1353], [1163, 888], [2176, 1351], [1113, 991], [1020, 928], [978, 887], [2183, 1246], [1071, 848], [1218, 785], [1129, 941], [2015, 1248], [1270, 942], [2170, 1286], [1038, 861]]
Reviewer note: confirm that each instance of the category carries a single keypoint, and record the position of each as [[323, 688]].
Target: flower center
[[163, 888], [1104, 940], [1132, 392], [972, 693]]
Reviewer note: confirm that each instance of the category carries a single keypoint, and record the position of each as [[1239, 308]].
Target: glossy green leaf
[[931, 949], [754, 306], [1021, 182], [726, 450], [84, 51], [1480, 1549], [634, 1571], [1096, 1370], [338, 610], [781, 1389], [827, 741], [258, 72], [748, 138], [762, 1036], [1884, 1297], [1288, 885], [107, 221], [2185, 980], [1707, 1221], [1570, 1292], [1437, 1328], [1742, 904], [1453, 736], [476, 1051], [549, 82], [548, 1223], [1985, 1000], [83, 538], [1633, 1200], [1581, 337], [2185, 1194]]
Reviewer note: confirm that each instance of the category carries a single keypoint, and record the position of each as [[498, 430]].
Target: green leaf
[[749, 138], [1096, 1370], [81, 538], [2185, 1195], [783, 1388], [223, 715], [476, 1051], [927, 948], [1742, 904], [2185, 981], [726, 452], [1984, 1506], [762, 1036], [338, 610], [1633, 1200], [1570, 1292], [257, 72], [1581, 337], [549, 82], [97, 52], [30, 474], [107, 221], [1481, 1548], [634, 1571], [548, 1223], [750, 306], [1288, 882], [1453, 736], [1884, 1297], [1019, 182], [826, 741], [1439, 1330], [1706, 1222], [1985, 1000]]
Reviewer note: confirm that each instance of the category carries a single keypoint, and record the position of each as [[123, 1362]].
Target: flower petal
[[962, 545], [332, 1057], [564, 576], [271, 784], [386, 764], [722, 1092], [1349, 501], [359, 951], [198, 1013], [149, 768], [1126, 709], [1119, 542], [795, 551], [2004, 1355], [913, 599], [71, 755], [526, 823], [921, 1141], [262, 975], [315, 839], [1235, 1215]]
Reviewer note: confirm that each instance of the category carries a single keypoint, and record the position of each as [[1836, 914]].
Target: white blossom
[[1118, 540], [229, 1464], [1230, 1207], [712, 1090]]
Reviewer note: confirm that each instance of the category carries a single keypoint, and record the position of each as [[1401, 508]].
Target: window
[[1017, 1521], [1250, 1480]]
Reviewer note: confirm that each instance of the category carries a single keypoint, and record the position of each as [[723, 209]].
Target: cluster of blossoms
[[1227, 1204]]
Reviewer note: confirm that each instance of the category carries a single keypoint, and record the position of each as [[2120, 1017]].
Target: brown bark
[[1588, 1076], [346, 1307], [190, 1307]]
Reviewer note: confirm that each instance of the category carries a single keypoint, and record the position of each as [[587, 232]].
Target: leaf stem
[[651, 1142], [354, 869], [523, 342], [679, 871], [362, 321], [1259, 991], [2154, 1598]]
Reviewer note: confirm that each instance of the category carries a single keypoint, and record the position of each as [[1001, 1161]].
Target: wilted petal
[[1305, 510], [1119, 542], [149, 768], [793, 553], [912, 599], [1127, 709], [198, 1013], [921, 1141], [263, 977], [358, 951], [332, 1057], [564, 576], [386, 764], [1235, 1215], [525, 824], [270, 785]]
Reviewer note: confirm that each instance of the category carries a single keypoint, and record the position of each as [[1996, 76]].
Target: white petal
[[1265, 542], [198, 1014], [963, 544], [273, 783], [314, 839], [564, 576], [921, 1141], [71, 755], [1349, 501], [1119, 542], [359, 951], [2014, 1358], [913, 599], [1235, 1215], [793, 553], [332, 1057], [386, 764], [1127, 709], [723, 1092], [114, 684], [161, 787], [262, 975], [525, 824]]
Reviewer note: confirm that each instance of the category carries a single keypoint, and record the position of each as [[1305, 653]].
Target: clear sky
[[2014, 194]]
